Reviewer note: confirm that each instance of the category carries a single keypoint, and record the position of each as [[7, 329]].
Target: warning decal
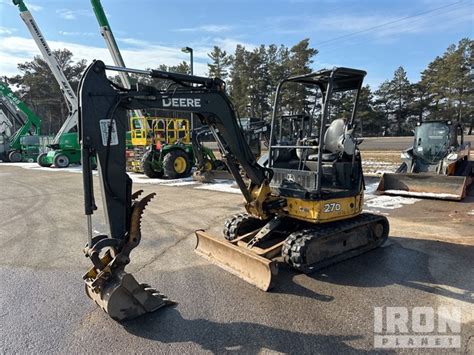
[[104, 130]]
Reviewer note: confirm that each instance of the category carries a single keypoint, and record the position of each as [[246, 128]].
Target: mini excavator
[[303, 202]]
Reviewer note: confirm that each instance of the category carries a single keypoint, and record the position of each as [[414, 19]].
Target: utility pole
[[190, 51]]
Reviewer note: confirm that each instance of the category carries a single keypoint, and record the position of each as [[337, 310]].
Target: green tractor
[[173, 161]]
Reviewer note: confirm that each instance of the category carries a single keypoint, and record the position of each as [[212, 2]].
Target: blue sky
[[377, 36]]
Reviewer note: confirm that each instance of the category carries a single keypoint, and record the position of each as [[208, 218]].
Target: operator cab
[[434, 138], [313, 152]]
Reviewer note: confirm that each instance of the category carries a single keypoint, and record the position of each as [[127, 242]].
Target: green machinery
[[65, 148], [23, 144], [158, 147]]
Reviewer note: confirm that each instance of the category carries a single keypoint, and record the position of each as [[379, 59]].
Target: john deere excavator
[[436, 166], [304, 206]]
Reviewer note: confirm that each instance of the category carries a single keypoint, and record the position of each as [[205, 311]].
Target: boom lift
[[12, 148], [7, 126], [436, 166], [111, 43], [65, 146], [304, 207]]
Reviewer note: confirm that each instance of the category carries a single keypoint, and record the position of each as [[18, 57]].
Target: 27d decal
[[332, 207]]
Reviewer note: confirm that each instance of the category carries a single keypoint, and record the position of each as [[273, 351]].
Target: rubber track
[[240, 224], [297, 243], [232, 224]]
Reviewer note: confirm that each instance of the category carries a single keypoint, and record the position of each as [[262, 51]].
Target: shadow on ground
[[168, 326], [431, 266]]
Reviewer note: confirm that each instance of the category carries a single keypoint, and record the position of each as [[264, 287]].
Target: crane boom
[[111, 43], [50, 59]]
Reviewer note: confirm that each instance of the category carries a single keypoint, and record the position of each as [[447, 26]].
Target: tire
[[61, 161], [41, 162], [176, 164], [147, 166], [208, 165], [15, 156]]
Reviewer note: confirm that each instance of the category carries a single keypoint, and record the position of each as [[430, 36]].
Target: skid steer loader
[[304, 207], [436, 166]]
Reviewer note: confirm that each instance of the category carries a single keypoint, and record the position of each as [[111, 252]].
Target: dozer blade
[[241, 262], [123, 298], [212, 175], [424, 185]]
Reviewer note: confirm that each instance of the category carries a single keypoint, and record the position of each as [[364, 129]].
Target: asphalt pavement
[[428, 261]]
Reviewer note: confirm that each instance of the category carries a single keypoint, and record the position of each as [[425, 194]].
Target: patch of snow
[[35, 166], [143, 179], [180, 183], [222, 186], [420, 194], [370, 188], [389, 202]]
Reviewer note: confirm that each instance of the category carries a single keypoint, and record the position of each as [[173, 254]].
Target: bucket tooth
[[239, 261], [424, 185]]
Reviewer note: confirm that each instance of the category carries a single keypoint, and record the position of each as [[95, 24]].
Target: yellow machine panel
[[325, 210]]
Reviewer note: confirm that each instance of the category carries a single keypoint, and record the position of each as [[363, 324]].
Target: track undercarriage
[[305, 247]]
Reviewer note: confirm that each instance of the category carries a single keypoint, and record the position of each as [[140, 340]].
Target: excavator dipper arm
[[103, 120]]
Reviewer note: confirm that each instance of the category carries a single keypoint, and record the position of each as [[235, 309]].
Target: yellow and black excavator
[[304, 202]]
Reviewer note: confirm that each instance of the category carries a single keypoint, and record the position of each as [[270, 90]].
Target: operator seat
[[332, 138]]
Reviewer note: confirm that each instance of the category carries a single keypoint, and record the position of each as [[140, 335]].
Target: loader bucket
[[241, 262], [123, 298], [424, 185], [212, 175]]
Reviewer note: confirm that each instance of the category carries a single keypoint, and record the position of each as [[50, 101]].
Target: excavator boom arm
[[103, 121]]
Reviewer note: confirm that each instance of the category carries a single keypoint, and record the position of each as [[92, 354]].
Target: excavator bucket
[[239, 261], [123, 298], [424, 185], [107, 284]]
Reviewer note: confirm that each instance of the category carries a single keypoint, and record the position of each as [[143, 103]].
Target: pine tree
[[239, 81], [449, 85], [220, 63], [394, 99]]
